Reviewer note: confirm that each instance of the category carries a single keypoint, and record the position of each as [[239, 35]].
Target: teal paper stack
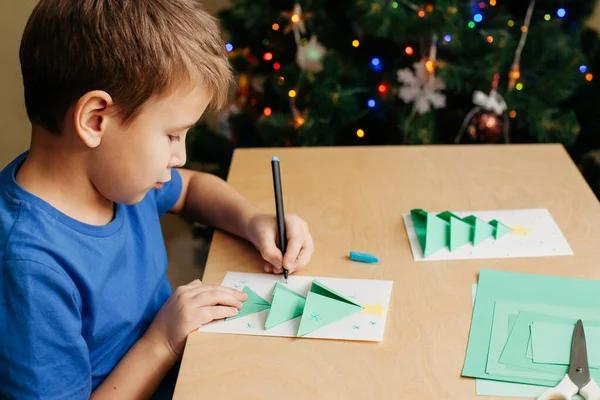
[[521, 331]]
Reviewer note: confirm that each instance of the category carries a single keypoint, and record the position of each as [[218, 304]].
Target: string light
[[492, 3], [267, 56], [360, 133], [265, 42], [523, 28], [429, 65], [547, 17], [281, 80], [429, 8], [371, 103], [421, 13], [275, 27], [583, 69], [295, 18], [511, 23], [298, 122], [481, 4], [490, 39], [471, 24], [292, 93], [447, 38], [561, 12], [304, 40], [512, 114], [519, 86], [382, 88], [478, 17], [409, 50], [267, 112], [589, 77], [395, 4], [355, 43], [229, 47], [376, 64], [276, 66]]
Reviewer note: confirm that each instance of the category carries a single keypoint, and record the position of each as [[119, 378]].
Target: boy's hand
[[262, 233], [189, 307]]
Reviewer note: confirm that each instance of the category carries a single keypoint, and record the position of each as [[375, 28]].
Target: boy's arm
[[210, 200]]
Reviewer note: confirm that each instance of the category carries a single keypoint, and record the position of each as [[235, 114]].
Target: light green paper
[[521, 337], [431, 231], [254, 304], [461, 233], [323, 307], [529, 353], [552, 342], [486, 387], [520, 288], [286, 305], [500, 229], [481, 229]]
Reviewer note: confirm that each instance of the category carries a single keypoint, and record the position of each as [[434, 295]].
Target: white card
[[540, 236], [368, 325]]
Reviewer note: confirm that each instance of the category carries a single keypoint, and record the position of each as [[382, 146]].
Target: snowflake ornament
[[421, 87]]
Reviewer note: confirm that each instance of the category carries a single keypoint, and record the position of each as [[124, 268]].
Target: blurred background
[[375, 72]]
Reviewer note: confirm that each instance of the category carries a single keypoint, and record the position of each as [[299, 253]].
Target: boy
[[111, 88]]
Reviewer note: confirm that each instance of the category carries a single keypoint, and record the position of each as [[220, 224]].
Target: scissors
[[577, 379]]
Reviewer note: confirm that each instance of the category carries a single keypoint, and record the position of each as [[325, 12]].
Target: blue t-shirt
[[75, 297]]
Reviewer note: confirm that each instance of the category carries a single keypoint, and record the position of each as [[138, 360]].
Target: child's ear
[[90, 115]]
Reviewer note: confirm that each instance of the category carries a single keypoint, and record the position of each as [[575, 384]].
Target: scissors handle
[[565, 390], [591, 391]]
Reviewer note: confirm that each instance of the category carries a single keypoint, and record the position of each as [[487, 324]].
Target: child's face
[[132, 160]]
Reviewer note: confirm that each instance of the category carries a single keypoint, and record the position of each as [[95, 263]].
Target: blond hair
[[132, 49]]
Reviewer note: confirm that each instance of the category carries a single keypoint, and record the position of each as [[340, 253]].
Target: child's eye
[[174, 138]]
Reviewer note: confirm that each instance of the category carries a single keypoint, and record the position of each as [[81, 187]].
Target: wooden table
[[353, 199]]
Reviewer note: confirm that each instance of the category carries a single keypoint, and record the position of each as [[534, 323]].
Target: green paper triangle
[[482, 230], [461, 232], [500, 229], [319, 288], [254, 304], [286, 305], [431, 231], [320, 311]]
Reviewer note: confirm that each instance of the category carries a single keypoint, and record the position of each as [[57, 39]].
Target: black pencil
[[279, 211]]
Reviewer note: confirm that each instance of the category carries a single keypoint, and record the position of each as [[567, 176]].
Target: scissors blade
[[579, 369]]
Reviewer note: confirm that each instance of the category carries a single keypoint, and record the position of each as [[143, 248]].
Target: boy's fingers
[[303, 257], [293, 249], [218, 297], [207, 314]]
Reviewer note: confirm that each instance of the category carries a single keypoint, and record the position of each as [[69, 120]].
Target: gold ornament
[[297, 18]]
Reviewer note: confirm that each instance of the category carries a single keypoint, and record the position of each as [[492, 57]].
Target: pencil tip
[[275, 158]]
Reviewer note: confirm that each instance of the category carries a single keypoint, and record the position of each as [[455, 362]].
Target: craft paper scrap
[[334, 308], [522, 290], [551, 342], [490, 234], [526, 371], [485, 387], [512, 354]]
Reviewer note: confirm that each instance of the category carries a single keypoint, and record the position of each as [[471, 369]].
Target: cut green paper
[[254, 304], [481, 229], [286, 305], [522, 289], [551, 342], [500, 229], [514, 355], [461, 233], [431, 231], [323, 307], [486, 387]]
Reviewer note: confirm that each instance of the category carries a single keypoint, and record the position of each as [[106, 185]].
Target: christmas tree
[[336, 72]]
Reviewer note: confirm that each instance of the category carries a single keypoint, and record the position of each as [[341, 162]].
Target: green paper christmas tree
[[323, 307], [445, 229], [254, 304], [286, 305]]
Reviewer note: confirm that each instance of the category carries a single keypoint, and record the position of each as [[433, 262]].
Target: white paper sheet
[[367, 325], [543, 237]]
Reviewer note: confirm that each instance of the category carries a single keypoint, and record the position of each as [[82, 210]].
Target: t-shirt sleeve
[[167, 196], [42, 352]]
